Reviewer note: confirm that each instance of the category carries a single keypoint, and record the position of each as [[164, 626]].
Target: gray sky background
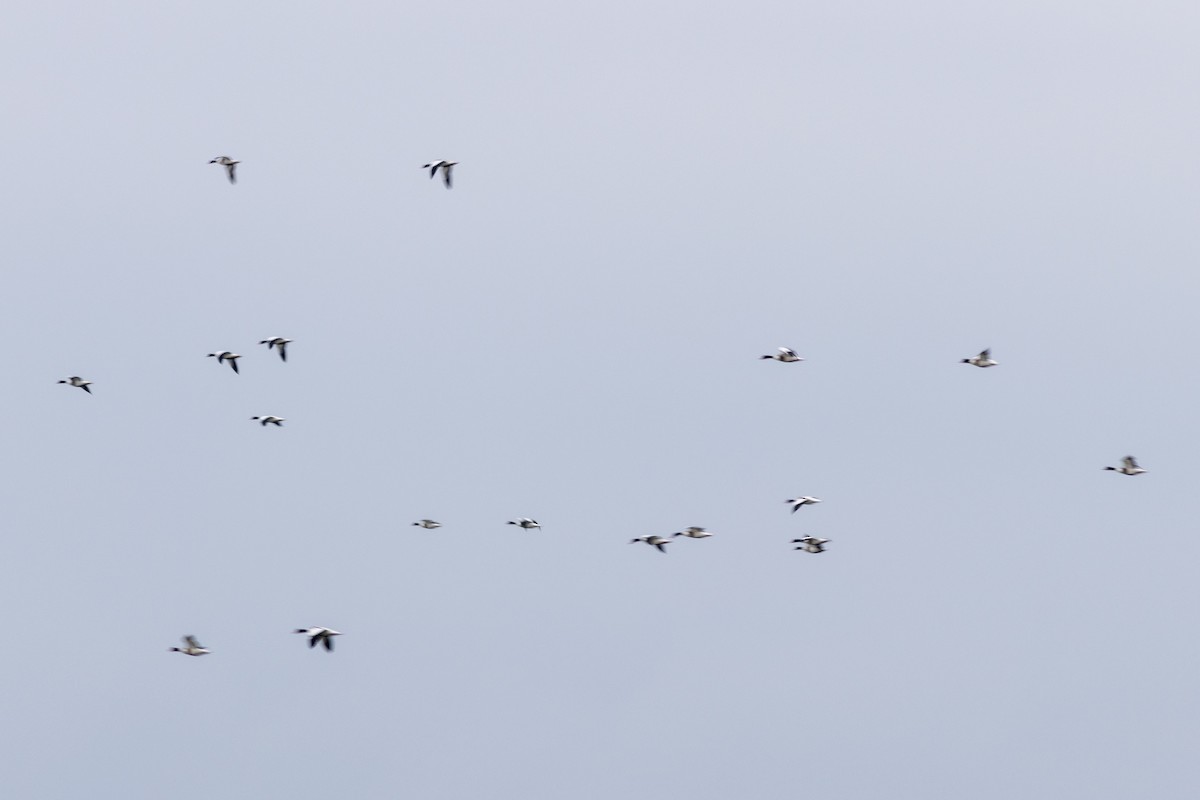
[[650, 196]]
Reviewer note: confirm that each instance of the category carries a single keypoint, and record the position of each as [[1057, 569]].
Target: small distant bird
[[984, 359], [319, 636], [811, 544], [526, 523], [444, 166], [265, 421], [693, 533], [225, 355], [192, 647], [785, 354], [1129, 466], [799, 502], [653, 541], [75, 380], [428, 524], [230, 166], [280, 342]]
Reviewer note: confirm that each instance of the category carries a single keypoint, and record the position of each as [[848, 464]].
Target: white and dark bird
[[318, 636], [265, 421], [223, 356], [811, 544], [692, 533], [75, 380], [191, 647], [798, 503], [654, 541], [526, 523], [1129, 466], [444, 166], [785, 354], [280, 342], [428, 524], [230, 166], [984, 359]]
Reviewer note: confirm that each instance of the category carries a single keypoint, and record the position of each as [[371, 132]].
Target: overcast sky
[[650, 196]]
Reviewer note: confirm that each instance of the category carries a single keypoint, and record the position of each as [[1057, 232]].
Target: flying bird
[[191, 647], [265, 421], [653, 541], [984, 359], [75, 380], [225, 355], [526, 523], [1129, 466], [319, 636], [799, 502], [692, 533], [428, 524], [811, 544], [280, 342], [444, 166], [785, 354], [230, 166]]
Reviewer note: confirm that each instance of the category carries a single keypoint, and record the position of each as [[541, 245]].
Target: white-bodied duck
[[230, 166], [280, 342], [654, 541], [526, 523], [319, 636], [191, 647], [692, 533], [224, 355], [785, 354], [811, 544], [265, 421], [1129, 466], [984, 359], [428, 524], [75, 380], [798, 503], [444, 166]]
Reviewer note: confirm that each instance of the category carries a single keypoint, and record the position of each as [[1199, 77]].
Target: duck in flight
[[798, 503], [692, 533], [526, 523], [984, 359], [191, 647], [280, 342], [1129, 466], [785, 354], [428, 524], [265, 421], [75, 380], [653, 541], [225, 355], [319, 636], [811, 544], [230, 166], [444, 166]]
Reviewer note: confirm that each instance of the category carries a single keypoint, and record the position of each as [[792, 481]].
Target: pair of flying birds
[[445, 166]]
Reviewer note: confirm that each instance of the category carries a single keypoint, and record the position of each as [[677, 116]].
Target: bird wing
[[985, 355], [312, 640], [190, 641], [446, 176], [1130, 462], [283, 351], [660, 547], [233, 363], [433, 168], [232, 170], [329, 643], [86, 388]]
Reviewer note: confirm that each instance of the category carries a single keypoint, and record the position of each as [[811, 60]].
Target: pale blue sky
[[650, 196]]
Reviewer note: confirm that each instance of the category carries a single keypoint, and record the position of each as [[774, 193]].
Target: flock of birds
[[318, 635]]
